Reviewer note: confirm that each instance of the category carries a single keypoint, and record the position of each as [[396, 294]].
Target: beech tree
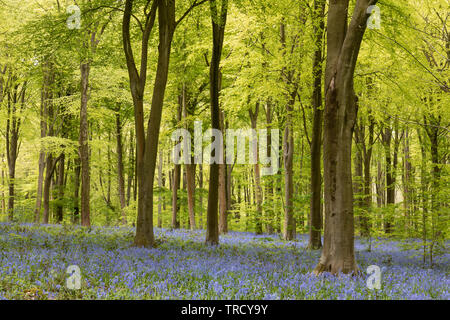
[[343, 43], [218, 19]]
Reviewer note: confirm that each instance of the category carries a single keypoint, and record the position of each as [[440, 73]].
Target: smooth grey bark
[[218, 30], [343, 45]]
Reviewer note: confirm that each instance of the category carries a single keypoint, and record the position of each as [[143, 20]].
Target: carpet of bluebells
[[34, 261]]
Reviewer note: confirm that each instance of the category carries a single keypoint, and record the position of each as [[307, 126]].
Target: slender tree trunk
[[315, 214], [76, 192], [223, 210], [38, 206], [84, 146], [50, 169], [176, 179], [288, 153], [160, 185], [367, 200], [390, 184], [131, 162], [45, 95], [358, 178], [12, 139], [424, 182], [60, 188], [108, 159], [3, 186], [407, 172], [120, 169], [269, 183], [189, 168], [190, 184], [258, 188], [200, 185]]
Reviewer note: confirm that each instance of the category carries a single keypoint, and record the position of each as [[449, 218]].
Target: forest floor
[[34, 261]]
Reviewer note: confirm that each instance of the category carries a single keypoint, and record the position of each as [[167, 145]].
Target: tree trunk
[[120, 169], [339, 119], [390, 182], [50, 169], [200, 185], [76, 197], [131, 162], [269, 182], [218, 29], [407, 172], [176, 179], [189, 167], [258, 188], [45, 95], [160, 185], [60, 187], [13, 124], [223, 207], [84, 146], [358, 178], [3, 186], [315, 214], [147, 146], [288, 152]]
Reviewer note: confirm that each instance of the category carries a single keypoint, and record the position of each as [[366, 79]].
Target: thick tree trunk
[[338, 254], [315, 214], [147, 160], [218, 29], [147, 144]]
